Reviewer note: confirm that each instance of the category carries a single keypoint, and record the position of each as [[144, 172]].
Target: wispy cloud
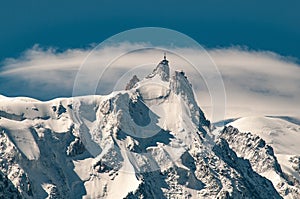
[[255, 81]]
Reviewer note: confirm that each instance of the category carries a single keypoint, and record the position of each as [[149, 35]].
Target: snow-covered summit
[[152, 138], [162, 70]]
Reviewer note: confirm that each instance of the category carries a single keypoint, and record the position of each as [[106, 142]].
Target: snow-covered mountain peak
[[162, 70], [152, 138], [161, 93]]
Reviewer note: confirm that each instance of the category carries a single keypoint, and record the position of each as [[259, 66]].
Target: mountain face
[[151, 140]]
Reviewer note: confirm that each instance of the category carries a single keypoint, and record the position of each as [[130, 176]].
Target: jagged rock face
[[258, 152], [7, 189], [132, 82], [252, 184], [150, 141], [262, 159], [14, 181]]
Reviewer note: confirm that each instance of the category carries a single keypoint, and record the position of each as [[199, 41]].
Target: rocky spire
[[132, 82], [162, 69], [180, 85]]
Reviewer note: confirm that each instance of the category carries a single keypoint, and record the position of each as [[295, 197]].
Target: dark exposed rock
[[132, 82]]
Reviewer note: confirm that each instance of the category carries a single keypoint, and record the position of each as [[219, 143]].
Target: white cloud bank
[[256, 82]]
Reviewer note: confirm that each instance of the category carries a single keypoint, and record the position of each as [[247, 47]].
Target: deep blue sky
[[267, 25]]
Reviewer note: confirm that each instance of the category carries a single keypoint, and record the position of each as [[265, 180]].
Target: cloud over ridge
[[255, 81]]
